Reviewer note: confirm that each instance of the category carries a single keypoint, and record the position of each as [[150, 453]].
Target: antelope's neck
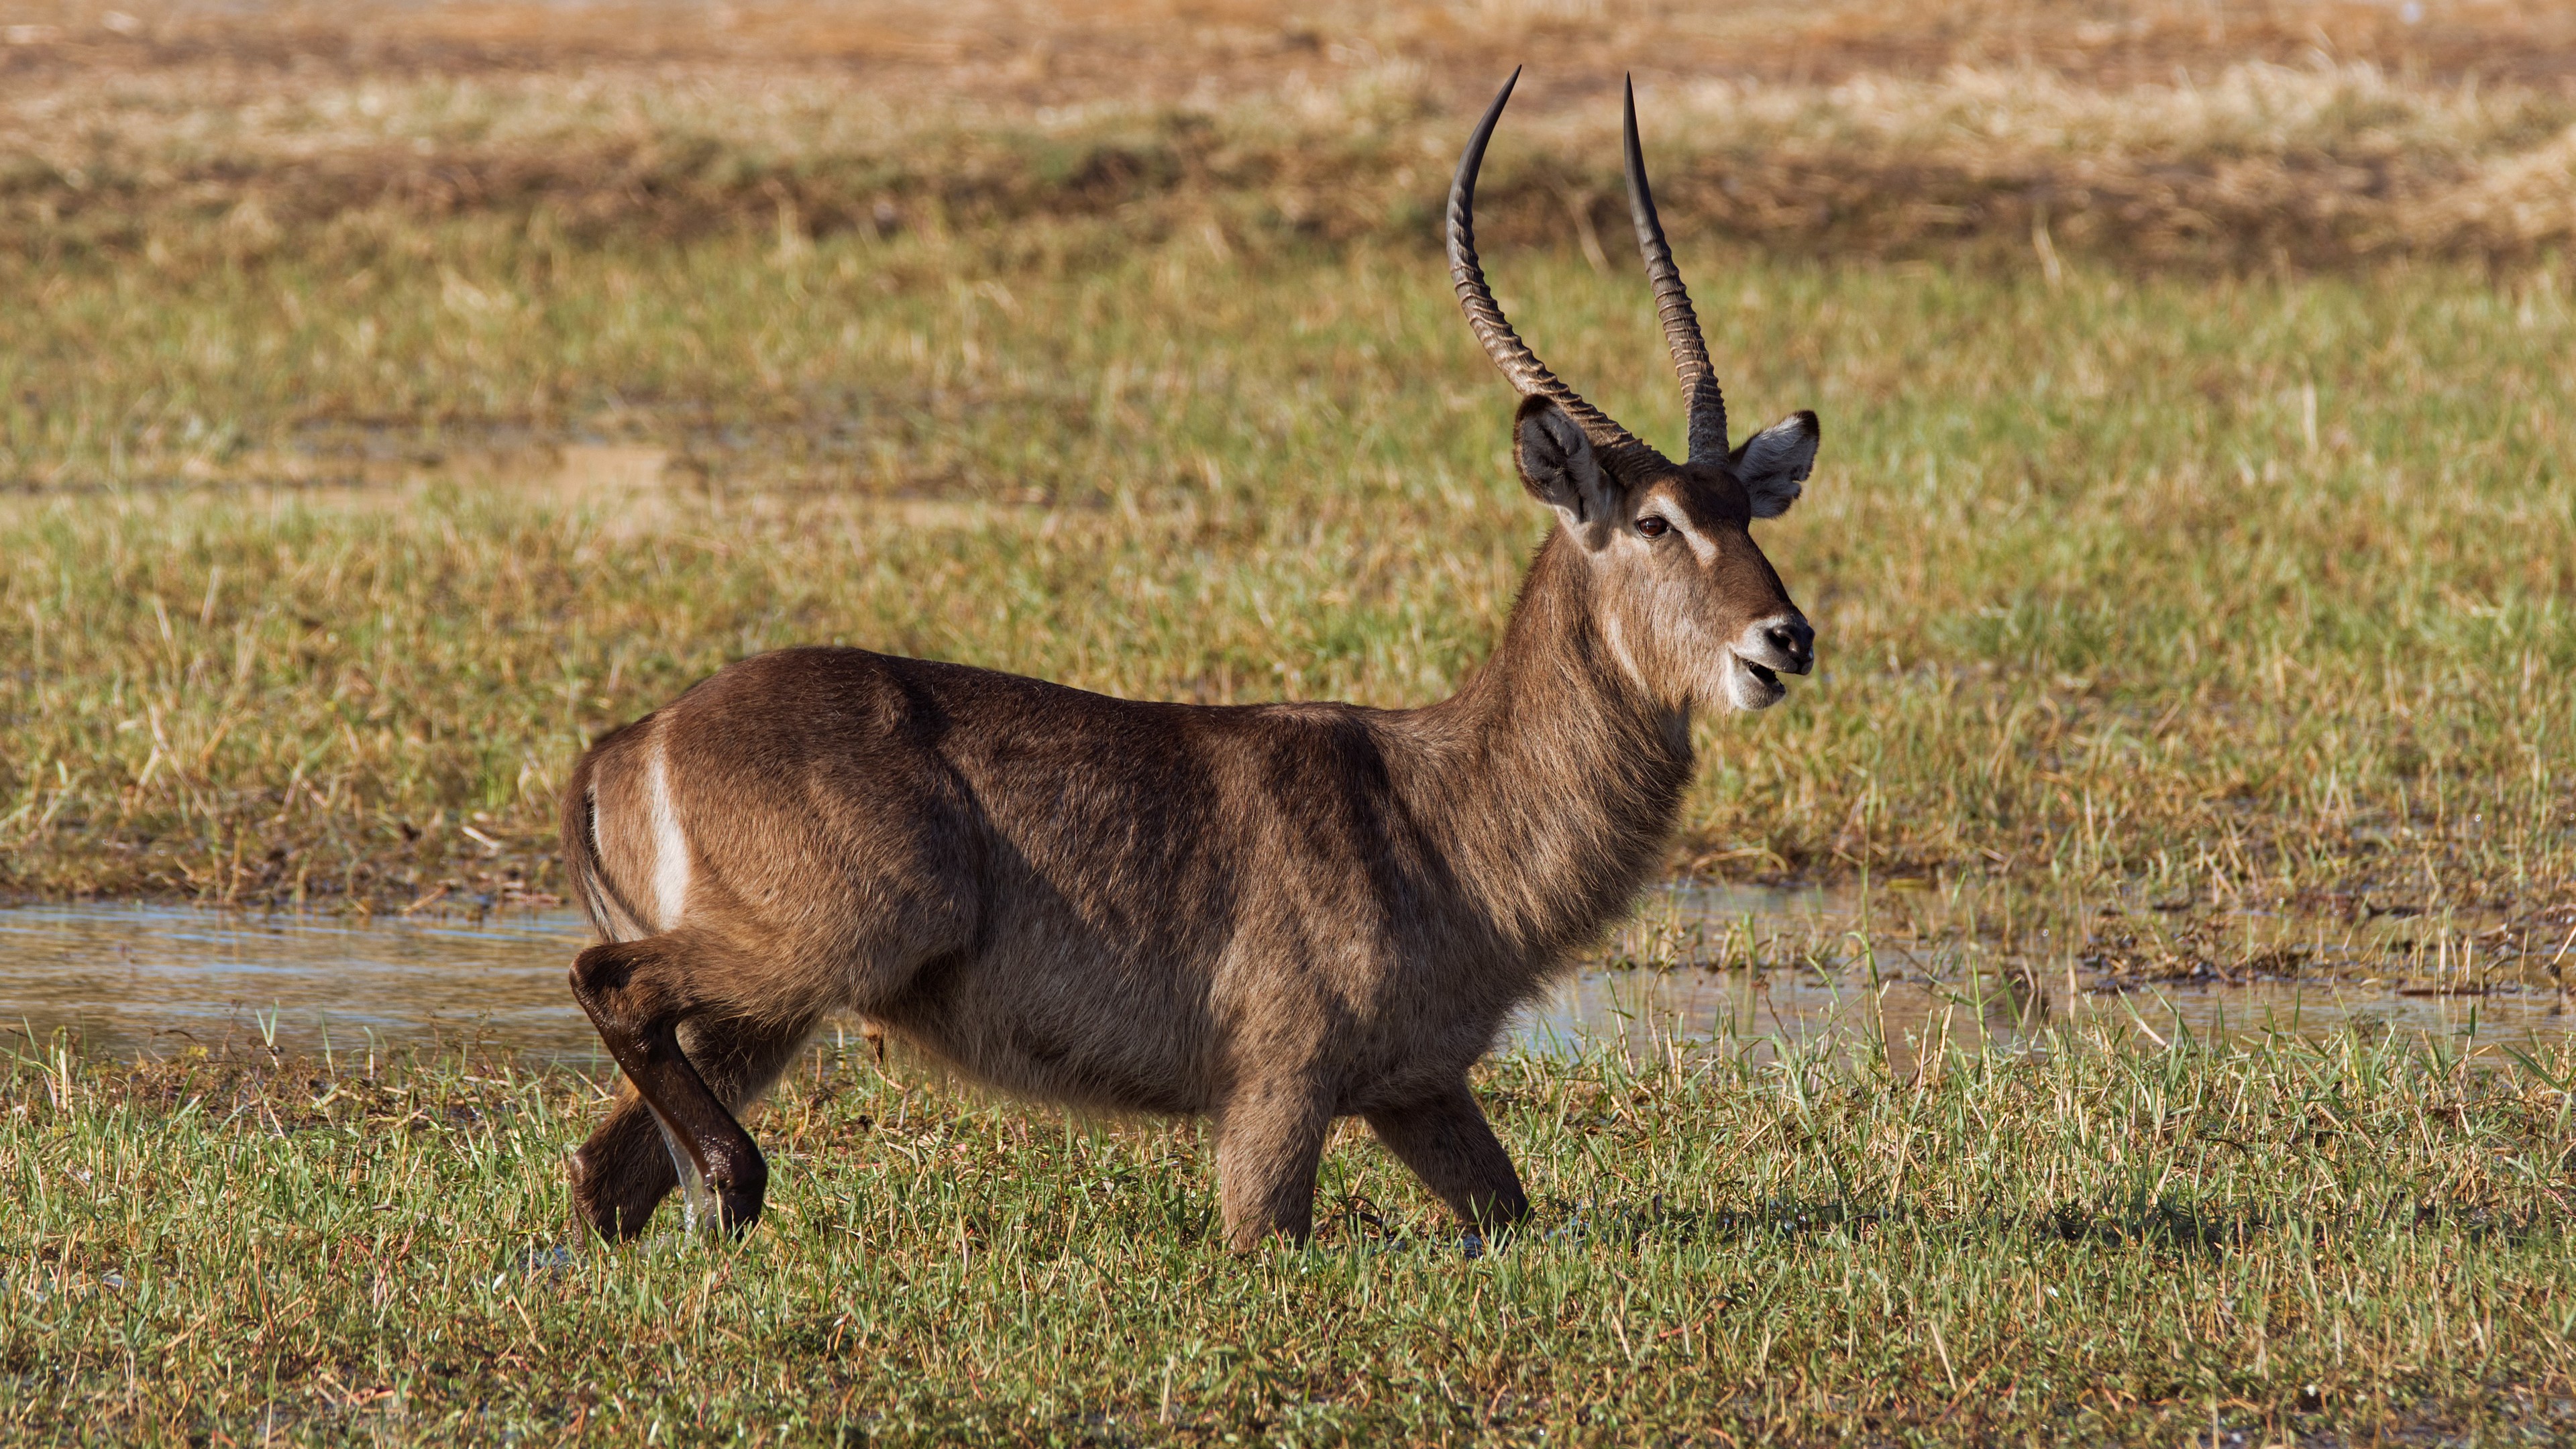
[[1559, 777]]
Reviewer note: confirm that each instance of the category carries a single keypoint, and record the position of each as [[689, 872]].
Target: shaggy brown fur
[[1274, 915]]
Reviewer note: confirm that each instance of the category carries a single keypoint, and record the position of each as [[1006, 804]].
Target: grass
[[2155, 131], [2094, 1243], [2240, 588], [338, 518], [2192, 553]]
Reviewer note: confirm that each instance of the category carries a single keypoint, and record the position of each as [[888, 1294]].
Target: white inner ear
[[1578, 492], [1775, 461], [1598, 501]]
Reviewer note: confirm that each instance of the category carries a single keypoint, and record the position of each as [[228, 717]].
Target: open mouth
[[1754, 686]]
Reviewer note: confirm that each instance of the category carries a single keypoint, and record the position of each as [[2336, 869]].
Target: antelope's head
[[1689, 607]]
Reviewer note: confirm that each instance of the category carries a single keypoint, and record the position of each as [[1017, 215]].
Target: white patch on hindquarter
[[670, 847]]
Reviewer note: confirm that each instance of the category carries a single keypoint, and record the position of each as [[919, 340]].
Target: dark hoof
[[738, 1196], [737, 1212]]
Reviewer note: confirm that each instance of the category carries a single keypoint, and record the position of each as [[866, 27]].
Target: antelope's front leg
[[1269, 1142]]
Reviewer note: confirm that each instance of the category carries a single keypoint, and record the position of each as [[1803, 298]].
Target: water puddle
[[159, 979], [1747, 1011], [1924, 969], [1699, 969]]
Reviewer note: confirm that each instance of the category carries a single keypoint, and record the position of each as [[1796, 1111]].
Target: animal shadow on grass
[[1359, 1222], [2164, 1224]]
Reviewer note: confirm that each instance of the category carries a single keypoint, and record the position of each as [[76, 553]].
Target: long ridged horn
[[1621, 452], [1705, 404]]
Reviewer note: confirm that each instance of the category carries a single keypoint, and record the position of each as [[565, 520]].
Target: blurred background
[[2185, 133]]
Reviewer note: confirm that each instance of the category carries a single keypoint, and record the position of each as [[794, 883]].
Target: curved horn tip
[[1505, 94], [1462, 186], [1632, 151]]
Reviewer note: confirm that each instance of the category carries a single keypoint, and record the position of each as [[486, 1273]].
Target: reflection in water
[[1694, 1010], [138, 978], [1745, 969], [1700, 969]]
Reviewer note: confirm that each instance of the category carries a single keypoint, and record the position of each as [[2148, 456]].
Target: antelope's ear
[[1559, 469], [1773, 463]]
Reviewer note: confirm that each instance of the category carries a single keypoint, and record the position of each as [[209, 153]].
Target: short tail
[[579, 825]]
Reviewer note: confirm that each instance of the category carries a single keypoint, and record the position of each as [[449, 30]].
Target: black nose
[[1795, 638]]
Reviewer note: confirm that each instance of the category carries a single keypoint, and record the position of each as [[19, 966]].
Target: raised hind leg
[[641, 995], [1449, 1145], [631, 1162]]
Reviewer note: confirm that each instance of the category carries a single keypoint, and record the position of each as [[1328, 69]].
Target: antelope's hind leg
[[624, 1171], [621, 1175], [641, 994], [1448, 1143]]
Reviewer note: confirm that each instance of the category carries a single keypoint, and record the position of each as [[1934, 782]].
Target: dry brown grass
[[2169, 133], [1022, 53]]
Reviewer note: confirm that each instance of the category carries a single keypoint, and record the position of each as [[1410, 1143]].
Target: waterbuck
[[1273, 915]]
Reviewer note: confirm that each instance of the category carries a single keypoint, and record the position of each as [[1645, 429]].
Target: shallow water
[[1693, 1010], [1826, 967], [151, 978], [1750, 969]]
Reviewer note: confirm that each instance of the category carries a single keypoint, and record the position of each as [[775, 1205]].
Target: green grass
[[2239, 588], [2092, 1244], [332, 523]]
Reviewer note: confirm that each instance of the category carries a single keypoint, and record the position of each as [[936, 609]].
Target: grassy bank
[[320, 577], [405, 395], [2324, 1244]]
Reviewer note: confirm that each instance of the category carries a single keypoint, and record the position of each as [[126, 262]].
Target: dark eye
[[1651, 526]]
